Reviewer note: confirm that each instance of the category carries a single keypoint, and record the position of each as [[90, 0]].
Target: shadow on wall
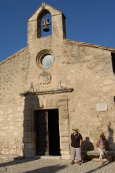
[[87, 145], [50, 169], [29, 125], [110, 137]]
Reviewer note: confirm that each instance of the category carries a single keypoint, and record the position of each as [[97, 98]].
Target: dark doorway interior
[[47, 132], [53, 128]]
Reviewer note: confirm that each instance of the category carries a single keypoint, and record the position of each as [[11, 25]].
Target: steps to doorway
[[48, 157]]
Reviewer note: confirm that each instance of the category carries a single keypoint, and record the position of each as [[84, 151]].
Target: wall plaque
[[101, 107]]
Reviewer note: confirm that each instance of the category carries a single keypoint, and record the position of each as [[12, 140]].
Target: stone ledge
[[14, 55], [89, 45], [95, 153], [57, 91]]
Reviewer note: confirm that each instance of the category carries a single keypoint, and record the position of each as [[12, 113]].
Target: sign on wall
[[101, 107]]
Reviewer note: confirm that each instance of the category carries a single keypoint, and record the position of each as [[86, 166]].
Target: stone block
[[1, 113], [64, 146], [27, 129], [29, 153], [64, 139], [27, 137], [64, 133], [66, 156], [29, 146], [27, 123], [10, 110], [49, 102], [20, 109]]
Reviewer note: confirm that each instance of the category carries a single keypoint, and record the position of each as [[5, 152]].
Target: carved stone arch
[[42, 14]]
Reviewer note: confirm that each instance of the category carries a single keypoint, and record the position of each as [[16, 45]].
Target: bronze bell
[[46, 25]]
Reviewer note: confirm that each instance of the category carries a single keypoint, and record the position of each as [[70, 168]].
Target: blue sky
[[91, 21]]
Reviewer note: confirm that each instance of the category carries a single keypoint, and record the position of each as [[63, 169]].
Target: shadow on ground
[[48, 169], [98, 168], [15, 162]]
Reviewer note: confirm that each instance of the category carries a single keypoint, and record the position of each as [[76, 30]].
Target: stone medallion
[[45, 78]]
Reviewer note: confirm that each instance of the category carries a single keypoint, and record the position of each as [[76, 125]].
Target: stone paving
[[55, 166]]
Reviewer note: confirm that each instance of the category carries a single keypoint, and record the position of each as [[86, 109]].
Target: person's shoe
[[72, 162], [79, 163]]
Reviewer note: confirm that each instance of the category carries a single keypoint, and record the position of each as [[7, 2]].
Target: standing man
[[76, 142]]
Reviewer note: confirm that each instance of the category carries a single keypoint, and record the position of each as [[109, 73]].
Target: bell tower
[[46, 20]]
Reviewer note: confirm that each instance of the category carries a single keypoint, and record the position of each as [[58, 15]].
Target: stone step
[[48, 157]]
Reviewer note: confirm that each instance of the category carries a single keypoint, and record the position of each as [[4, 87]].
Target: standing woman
[[76, 142]]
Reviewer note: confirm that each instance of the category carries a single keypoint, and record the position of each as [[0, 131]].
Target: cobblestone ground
[[55, 166]]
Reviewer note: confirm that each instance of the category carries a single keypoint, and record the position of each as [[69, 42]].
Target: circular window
[[47, 61], [45, 58]]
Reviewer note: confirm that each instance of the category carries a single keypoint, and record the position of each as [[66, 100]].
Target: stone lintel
[[57, 91]]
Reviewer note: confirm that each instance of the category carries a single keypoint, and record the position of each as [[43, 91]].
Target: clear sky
[[91, 21]]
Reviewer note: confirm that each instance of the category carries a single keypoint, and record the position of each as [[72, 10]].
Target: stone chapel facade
[[52, 85]]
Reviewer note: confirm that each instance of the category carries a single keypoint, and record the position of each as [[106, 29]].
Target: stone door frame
[[60, 103]]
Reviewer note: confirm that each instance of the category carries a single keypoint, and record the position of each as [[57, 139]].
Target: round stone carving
[[44, 78]]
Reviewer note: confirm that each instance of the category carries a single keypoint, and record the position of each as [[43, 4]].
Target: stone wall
[[13, 74]]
